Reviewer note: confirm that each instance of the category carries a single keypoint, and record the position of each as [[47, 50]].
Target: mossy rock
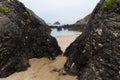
[[28, 21], [4, 9], [26, 13], [108, 4]]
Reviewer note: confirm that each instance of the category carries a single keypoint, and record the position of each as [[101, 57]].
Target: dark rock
[[42, 45], [22, 37], [95, 54], [12, 56], [57, 23]]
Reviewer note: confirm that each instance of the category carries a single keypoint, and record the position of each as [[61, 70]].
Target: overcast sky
[[64, 11]]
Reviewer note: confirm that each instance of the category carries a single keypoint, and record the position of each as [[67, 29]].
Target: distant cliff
[[83, 21]]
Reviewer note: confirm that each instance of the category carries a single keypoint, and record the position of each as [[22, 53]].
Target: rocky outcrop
[[95, 54], [57, 23], [22, 37]]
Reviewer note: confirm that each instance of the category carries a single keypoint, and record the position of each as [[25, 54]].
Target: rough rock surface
[[95, 54], [22, 37]]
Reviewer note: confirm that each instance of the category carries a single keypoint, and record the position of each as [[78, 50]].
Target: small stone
[[101, 59], [26, 37], [100, 45], [119, 45], [99, 31], [116, 34], [48, 40], [119, 72]]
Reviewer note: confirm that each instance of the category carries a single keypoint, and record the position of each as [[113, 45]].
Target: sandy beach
[[45, 69]]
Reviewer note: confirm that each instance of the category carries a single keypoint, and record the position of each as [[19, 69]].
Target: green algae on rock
[[4, 9], [108, 4]]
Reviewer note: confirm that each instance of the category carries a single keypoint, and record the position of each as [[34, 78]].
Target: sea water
[[55, 32]]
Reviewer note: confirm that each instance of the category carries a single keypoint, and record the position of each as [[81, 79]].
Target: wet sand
[[45, 69]]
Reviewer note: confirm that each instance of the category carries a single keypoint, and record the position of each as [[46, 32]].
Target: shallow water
[[55, 32]]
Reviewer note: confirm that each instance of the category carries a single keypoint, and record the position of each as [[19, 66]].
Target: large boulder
[[22, 37], [95, 54], [42, 45]]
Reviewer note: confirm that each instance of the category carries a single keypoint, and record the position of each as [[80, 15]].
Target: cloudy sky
[[64, 11]]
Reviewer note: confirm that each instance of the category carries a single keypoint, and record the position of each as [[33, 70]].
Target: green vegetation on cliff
[[4, 9], [108, 3], [28, 21], [26, 13]]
